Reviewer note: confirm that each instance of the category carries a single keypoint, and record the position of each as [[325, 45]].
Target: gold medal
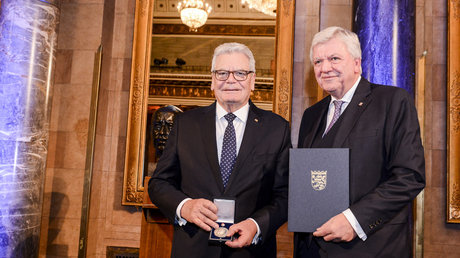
[[221, 232]]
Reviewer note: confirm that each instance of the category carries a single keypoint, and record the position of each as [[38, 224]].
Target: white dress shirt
[[239, 123], [330, 113]]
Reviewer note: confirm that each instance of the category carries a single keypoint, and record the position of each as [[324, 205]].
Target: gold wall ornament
[[453, 112], [139, 93]]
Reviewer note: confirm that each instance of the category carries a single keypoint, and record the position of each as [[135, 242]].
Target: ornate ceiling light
[[193, 13], [265, 6]]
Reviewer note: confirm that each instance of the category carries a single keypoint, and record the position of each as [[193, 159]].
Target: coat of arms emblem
[[318, 180]]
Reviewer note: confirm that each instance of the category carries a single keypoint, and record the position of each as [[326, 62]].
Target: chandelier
[[193, 13], [265, 6]]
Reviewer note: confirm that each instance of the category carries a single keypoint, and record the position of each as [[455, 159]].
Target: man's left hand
[[337, 229], [246, 230]]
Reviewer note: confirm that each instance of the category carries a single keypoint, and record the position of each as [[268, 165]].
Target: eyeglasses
[[240, 75]]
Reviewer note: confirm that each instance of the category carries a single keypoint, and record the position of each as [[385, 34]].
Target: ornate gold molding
[[287, 10], [185, 91], [284, 94], [214, 29], [138, 99], [455, 9], [454, 110], [284, 58], [455, 200], [199, 86], [453, 113]]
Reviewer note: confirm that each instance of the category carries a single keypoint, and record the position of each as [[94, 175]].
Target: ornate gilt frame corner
[[135, 139], [138, 98], [453, 112], [282, 88]]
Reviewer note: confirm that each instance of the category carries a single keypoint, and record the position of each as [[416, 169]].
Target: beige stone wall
[[87, 23], [112, 224], [441, 239], [79, 36], [84, 25]]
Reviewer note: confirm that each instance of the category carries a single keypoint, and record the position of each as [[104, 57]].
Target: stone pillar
[[27, 53], [386, 30]]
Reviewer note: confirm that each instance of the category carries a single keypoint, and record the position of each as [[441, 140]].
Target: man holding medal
[[222, 180]]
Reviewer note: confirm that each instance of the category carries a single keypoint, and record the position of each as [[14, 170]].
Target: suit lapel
[[208, 135], [358, 104], [251, 136], [317, 122]]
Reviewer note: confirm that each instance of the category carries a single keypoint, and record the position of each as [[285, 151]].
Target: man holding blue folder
[[379, 126]]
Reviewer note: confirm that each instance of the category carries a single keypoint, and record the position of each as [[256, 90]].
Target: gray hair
[[349, 38], [233, 47]]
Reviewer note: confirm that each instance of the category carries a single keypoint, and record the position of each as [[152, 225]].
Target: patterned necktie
[[228, 156], [337, 108]]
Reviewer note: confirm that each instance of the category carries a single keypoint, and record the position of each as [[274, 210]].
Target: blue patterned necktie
[[228, 155], [338, 108]]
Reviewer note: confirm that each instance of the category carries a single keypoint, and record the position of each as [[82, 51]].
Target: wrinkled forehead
[[164, 115], [333, 44], [232, 61]]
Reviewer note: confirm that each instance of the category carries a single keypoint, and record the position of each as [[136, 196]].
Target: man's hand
[[337, 229], [201, 212], [246, 230]]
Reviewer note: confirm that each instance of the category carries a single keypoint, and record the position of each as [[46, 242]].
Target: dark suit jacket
[[387, 167], [189, 168]]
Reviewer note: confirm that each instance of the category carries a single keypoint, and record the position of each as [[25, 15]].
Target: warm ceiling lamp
[[265, 6], [193, 13]]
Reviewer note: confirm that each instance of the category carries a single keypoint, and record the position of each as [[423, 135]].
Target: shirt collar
[[349, 95], [241, 113]]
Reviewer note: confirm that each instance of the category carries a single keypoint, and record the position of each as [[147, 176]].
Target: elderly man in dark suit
[[387, 169], [230, 149]]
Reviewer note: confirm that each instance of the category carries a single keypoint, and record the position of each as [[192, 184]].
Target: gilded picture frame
[[453, 112], [133, 189]]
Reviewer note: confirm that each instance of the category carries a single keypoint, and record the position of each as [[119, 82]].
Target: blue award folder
[[318, 187]]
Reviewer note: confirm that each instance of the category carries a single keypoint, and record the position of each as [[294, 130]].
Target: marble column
[[27, 53], [386, 31]]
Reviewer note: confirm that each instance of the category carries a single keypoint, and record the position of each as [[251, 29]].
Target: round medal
[[221, 232]]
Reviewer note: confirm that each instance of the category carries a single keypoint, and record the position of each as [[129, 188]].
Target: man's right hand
[[201, 212]]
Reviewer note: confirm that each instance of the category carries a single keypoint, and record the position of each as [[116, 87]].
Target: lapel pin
[[256, 120], [360, 104]]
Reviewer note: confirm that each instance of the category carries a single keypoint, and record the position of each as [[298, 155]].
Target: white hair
[[234, 47]]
